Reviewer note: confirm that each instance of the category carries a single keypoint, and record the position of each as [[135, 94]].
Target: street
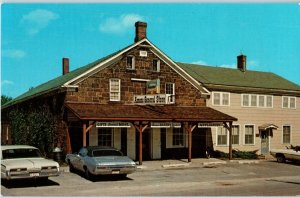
[[264, 178]]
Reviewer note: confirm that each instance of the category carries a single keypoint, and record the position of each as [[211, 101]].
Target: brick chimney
[[65, 65], [140, 31], [241, 62]]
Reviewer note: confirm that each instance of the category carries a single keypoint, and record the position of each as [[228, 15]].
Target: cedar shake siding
[[95, 88]]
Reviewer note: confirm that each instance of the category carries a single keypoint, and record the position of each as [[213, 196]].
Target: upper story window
[[130, 64], [170, 89], [221, 98], [254, 100], [156, 65], [289, 102], [115, 89]]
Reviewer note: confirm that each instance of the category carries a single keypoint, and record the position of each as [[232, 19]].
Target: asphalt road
[[264, 178]]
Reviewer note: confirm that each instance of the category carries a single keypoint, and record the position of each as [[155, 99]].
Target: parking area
[[173, 178]]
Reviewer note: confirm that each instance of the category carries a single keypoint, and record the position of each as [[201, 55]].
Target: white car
[[25, 162]]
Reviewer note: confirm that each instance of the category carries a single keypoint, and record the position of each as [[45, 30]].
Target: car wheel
[[88, 175], [280, 158]]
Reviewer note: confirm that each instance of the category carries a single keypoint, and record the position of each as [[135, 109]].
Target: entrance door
[[145, 146], [264, 136]]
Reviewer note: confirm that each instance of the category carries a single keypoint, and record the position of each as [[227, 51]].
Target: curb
[[244, 161], [175, 165], [214, 163]]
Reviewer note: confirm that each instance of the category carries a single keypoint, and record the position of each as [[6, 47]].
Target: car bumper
[[8, 175], [114, 170]]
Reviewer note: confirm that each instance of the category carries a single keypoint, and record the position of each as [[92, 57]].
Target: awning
[[114, 112], [267, 126]]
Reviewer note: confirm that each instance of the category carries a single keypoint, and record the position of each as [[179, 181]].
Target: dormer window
[[130, 62], [156, 65]]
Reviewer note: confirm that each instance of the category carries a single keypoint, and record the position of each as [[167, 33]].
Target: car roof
[[91, 148], [6, 147]]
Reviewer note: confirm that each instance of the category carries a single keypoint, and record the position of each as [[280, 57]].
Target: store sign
[[153, 99], [210, 124], [165, 124], [113, 124]]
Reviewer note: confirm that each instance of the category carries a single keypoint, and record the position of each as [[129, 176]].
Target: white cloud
[[13, 53], [6, 82], [200, 62], [37, 20], [120, 24], [228, 65]]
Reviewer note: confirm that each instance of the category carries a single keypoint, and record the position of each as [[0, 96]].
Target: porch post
[[229, 128], [84, 134], [140, 129], [69, 147], [190, 128]]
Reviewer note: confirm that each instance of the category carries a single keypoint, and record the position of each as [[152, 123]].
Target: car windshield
[[20, 153], [100, 153]]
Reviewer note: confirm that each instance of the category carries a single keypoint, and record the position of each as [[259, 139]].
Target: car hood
[[114, 160], [28, 163]]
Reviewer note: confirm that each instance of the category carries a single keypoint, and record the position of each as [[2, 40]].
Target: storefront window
[[105, 137]]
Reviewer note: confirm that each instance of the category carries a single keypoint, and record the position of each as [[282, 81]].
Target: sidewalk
[[183, 163]]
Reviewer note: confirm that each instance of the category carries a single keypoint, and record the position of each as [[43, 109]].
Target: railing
[[154, 99]]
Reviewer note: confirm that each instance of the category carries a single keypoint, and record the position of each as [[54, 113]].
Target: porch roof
[[113, 112]]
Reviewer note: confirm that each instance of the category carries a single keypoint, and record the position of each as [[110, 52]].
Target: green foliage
[[5, 99], [34, 126], [237, 154]]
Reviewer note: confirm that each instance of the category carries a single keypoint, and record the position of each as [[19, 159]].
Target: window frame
[[157, 65], [221, 103], [172, 99], [290, 134], [217, 136], [248, 144], [239, 134], [179, 137], [113, 91], [289, 102], [257, 100], [111, 134], [132, 67]]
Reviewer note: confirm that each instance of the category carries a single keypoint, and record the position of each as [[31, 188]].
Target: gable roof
[[234, 79], [70, 79]]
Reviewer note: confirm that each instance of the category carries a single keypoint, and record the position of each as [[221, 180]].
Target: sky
[[35, 37]]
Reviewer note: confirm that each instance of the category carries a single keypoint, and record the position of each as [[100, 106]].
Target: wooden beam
[[190, 128], [69, 147], [229, 128], [90, 126], [140, 128]]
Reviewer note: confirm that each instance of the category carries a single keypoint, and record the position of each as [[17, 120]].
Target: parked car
[[291, 154], [95, 160], [25, 162]]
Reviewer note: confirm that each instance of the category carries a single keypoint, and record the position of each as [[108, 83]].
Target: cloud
[[200, 62], [37, 20], [228, 65], [13, 53], [6, 82], [120, 24]]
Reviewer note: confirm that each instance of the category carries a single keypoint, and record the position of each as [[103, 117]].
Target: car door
[[81, 159]]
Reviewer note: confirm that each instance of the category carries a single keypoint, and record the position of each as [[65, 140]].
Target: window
[[105, 137], [170, 89], [115, 89], [222, 136], [289, 102], [156, 65], [253, 100], [221, 98], [286, 134], [249, 134], [235, 134], [178, 137], [130, 63]]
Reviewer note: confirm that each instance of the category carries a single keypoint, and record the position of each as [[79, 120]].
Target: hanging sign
[[153, 86], [113, 124], [165, 124], [210, 124]]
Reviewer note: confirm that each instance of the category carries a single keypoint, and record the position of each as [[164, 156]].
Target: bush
[[237, 154]]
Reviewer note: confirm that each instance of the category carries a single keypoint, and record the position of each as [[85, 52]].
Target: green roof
[[218, 76], [56, 83]]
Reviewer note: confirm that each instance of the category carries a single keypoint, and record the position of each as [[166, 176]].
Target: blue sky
[[35, 37]]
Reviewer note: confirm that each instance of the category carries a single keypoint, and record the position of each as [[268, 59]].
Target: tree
[[5, 99]]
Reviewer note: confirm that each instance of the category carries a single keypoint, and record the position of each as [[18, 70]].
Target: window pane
[[156, 65], [130, 62], [249, 134], [235, 134], [105, 137], [178, 137], [293, 103], [222, 136], [225, 99], [286, 134], [285, 101], [269, 101], [169, 88], [253, 100], [261, 101], [114, 89], [217, 98], [245, 100]]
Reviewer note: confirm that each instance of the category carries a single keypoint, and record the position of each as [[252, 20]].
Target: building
[[264, 103], [150, 107]]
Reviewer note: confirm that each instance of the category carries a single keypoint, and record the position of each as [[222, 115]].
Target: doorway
[[265, 143], [146, 144]]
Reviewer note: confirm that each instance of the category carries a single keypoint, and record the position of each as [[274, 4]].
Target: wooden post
[[230, 140], [84, 135], [190, 129], [140, 129], [69, 147]]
